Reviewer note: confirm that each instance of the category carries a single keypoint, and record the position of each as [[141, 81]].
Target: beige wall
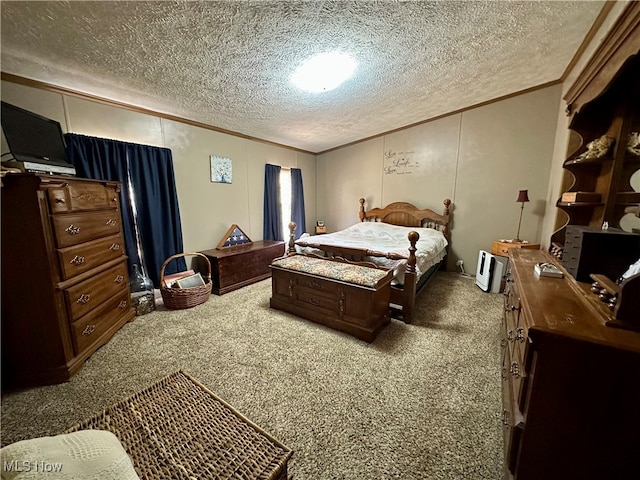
[[207, 209], [479, 159]]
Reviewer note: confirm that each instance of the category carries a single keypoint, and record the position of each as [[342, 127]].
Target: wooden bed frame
[[402, 214]]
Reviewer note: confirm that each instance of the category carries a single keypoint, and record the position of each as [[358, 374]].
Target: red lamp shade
[[523, 196]]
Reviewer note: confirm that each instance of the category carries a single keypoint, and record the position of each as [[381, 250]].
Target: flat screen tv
[[34, 140]]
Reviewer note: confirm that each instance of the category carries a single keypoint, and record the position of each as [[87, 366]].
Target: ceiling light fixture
[[324, 72]]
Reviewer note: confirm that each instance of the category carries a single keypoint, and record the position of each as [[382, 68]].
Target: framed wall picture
[[221, 169]]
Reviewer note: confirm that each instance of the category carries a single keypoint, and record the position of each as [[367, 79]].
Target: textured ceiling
[[227, 64]]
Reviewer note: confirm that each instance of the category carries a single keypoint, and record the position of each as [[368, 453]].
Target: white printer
[[490, 272]]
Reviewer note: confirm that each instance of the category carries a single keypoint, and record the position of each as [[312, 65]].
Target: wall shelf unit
[[604, 102]]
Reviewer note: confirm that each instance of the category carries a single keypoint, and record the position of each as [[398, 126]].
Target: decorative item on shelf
[[633, 143], [634, 210], [573, 197], [597, 148], [523, 196], [233, 238], [320, 227], [141, 287]]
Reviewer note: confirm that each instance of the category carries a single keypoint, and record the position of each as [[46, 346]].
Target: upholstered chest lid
[[342, 271]]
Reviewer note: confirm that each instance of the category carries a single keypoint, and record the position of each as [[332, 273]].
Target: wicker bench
[[351, 297], [178, 429]]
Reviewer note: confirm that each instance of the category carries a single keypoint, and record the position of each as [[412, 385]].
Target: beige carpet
[[421, 402]]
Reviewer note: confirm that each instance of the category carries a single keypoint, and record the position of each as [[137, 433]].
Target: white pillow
[[85, 454]]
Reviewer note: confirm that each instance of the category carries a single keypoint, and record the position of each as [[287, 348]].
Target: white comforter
[[431, 247]]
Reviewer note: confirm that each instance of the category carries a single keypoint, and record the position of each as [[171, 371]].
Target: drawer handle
[[505, 418], [77, 261], [314, 284], [122, 304], [515, 369], [341, 302], [315, 301], [291, 287], [60, 200], [114, 247], [111, 222], [72, 229], [118, 279], [83, 299], [88, 330]]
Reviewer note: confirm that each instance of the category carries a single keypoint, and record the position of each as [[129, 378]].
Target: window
[[283, 202]]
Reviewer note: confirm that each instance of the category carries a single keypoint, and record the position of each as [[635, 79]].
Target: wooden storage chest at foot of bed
[[359, 310]]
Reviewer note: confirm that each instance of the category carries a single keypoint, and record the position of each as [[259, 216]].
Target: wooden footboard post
[[446, 212], [292, 240], [361, 212], [410, 279]]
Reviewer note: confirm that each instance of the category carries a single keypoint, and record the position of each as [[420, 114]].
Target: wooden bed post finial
[[447, 204], [413, 239], [292, 241], [361, 212]]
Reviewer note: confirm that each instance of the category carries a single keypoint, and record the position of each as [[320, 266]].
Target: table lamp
[[523, 196]]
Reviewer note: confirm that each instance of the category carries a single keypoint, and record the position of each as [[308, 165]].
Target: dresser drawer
[[93, 325], [73, 229], [319, 286], [87, 295], [79, 197], [85, 256], [319, 300]]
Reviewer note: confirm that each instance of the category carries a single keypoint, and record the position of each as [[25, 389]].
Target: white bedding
[[431, 247]]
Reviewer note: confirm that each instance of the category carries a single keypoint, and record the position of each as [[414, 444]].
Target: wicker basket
[[178, 298]]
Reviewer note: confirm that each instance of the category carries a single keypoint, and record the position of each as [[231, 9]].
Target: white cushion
[[85, 454]]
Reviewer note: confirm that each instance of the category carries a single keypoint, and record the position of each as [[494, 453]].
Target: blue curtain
[[297, 202], [272, 218], [149, 170]]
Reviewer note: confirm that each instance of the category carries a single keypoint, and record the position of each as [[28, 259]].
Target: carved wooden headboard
[[408, 215]]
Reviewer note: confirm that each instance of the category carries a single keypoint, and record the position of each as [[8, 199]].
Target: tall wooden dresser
[[65, 283], [570, 383]]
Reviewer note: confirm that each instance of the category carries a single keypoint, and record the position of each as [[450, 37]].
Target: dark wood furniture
[[622, 299], [570, 386], [604, 101], [235, 267], [501, 247], [65, 282], [323, 294], [397, 213], [590, 250]]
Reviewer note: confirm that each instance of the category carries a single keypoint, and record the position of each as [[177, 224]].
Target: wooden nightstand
[[501, 247]]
